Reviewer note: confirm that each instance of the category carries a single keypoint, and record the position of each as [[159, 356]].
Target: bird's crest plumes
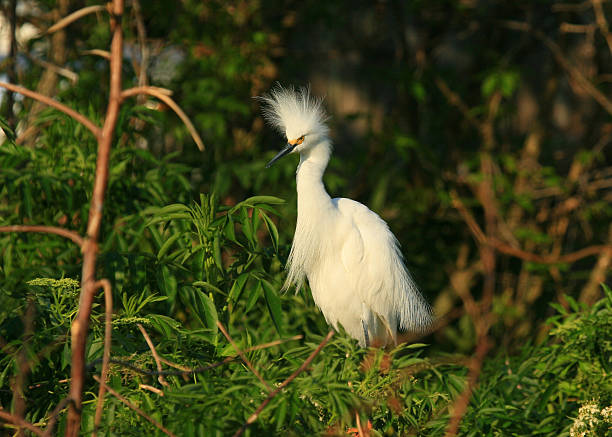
[[294, 112]]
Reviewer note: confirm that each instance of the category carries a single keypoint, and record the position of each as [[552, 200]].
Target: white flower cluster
[[591, 421]]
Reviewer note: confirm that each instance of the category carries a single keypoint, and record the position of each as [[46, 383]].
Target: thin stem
[[160, 378], [80, 325], [243, 356], [133, 407], [284, 384], [8, 417], [71, 235], [161, 94], [75, 16], [55, 104]]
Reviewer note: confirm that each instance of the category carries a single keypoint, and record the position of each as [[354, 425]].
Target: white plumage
[[350, 257]]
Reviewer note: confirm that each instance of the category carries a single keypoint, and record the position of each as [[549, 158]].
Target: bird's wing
[[378, 270]]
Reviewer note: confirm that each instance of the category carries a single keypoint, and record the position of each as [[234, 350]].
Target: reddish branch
[[71, 235], [7, 417], [134, 407], [162, 94], [243, 356], [80, 326], [75, 16], [284, 384], [144, 333], [55, 104], [567, 65], [502, 247]]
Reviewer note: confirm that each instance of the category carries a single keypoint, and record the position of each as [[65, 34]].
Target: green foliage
[[179, 261], [548, 389]]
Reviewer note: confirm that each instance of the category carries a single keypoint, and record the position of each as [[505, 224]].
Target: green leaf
[[208, 286], [255, 293], [237, 287], [167, 244], [203, 308], [274, 306], [10, 133], [165, 325], [256, 200], [167, 282], [272, 230], [217, 253]]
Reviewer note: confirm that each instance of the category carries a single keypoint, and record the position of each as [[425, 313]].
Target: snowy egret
[[350, 257]]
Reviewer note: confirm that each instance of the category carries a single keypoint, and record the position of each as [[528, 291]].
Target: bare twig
[[151, 388], [457, 102], [161, 95], [284, 384], [108, 327], [55, 104], [142, 42], [62, 71], [160, 378], [134, 407], [186, 371], [71, 235], [546, 259], [11, 70], [80, 325], [75, 16], [54, 416], [519, 253], [602, 23], [10, 418], [243, 356], [574, 72], [97, 52]]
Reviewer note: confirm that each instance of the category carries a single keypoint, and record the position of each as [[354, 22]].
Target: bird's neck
[[312, 196]]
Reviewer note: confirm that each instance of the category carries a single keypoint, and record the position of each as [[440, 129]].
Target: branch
[[185, 371], [574, 73], [600, 17], [8, 417], [54, 416], [160, 378], [284, 384], [162, 95], [519, 253], [71, 235], [80, 325], [548, 259], [243, 356], [108, 319], [97, 52], [55, 104], [75, 16], [134, 407]]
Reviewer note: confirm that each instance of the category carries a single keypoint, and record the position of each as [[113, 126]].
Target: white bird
[[350, 257]]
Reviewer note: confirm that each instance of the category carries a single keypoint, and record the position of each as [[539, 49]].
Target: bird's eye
[[300, 140]]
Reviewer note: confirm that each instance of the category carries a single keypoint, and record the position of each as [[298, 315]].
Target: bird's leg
[[365, 318], [365, 333]]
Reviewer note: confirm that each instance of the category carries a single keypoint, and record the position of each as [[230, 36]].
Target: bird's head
[[297, 115]]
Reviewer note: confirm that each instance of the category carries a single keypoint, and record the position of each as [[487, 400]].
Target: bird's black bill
[[287, 149]]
